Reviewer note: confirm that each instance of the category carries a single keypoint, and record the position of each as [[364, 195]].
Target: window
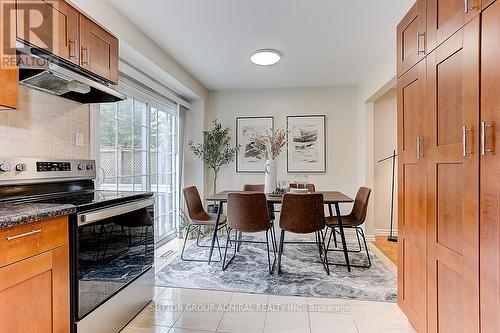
[[138, 151]]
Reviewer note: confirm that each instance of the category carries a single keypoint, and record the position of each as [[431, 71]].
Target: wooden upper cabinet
[[9, 92], [411, 45], [445, 17], [490, 170], [51, 25], [99, 50], [412, 212]]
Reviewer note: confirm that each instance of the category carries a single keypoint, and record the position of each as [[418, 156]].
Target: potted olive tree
[[215, 152]]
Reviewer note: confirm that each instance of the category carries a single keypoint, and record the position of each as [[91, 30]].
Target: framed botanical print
[[306, 150], [247, 128]]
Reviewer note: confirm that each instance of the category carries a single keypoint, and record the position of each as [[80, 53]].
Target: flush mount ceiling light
[[265, 57]]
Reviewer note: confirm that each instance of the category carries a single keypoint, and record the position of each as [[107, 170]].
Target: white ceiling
[[323, 42]]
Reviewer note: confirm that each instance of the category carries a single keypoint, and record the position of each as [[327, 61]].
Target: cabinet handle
[[85, 59], [420, 151], [29, 233], [419, 35], [465, 152], [484, 128], [72, 49], [468, 7]]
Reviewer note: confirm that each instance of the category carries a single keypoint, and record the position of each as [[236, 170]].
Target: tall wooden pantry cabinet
[[449, 168]]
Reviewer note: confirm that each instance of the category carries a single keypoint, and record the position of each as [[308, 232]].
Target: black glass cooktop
[[79, 193], [93, 199]]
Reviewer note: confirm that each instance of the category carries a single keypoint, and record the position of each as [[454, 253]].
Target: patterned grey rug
[[303, 274]]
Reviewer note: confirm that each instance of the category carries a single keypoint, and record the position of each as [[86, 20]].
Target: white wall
[[384, 142], [337, 103]]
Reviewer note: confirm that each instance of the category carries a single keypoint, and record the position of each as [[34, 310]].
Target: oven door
[[114, 246]]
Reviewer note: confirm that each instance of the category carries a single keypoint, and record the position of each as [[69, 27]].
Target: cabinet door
[[453, 183], [412, 154], [51, 25], [34, 294], [490, 170], [99, 50], [445, 17], [9, 94], [411, 38]]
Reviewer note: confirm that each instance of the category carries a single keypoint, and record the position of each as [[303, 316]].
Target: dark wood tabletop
[[329, 197]]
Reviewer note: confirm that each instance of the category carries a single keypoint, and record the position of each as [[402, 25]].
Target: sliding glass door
[[138, 151]]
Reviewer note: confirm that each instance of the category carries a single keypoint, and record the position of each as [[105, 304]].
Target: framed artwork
[[247, 128], [306, 150]]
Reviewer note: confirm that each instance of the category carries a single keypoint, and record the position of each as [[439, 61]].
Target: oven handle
[[102, 214]]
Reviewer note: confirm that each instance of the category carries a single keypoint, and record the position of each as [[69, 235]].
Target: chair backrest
[[302, 213], [360, 206], [253, 188], [310, 187], [194, 204], [247, 212]]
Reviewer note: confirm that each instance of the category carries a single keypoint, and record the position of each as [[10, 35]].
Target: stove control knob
[[81, 166], [5, 167], [90, 167], [20, 167]]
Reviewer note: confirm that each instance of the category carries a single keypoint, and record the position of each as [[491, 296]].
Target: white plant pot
[[270, 182]]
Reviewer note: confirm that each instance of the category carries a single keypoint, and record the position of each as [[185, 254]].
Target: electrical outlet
[[79, 139]]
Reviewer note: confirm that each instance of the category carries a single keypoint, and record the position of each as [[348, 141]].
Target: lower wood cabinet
[[35, 291]]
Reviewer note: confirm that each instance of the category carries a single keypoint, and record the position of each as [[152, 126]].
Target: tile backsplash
[[44, 126]]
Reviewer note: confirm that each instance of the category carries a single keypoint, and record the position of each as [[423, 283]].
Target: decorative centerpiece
[[269, 146]]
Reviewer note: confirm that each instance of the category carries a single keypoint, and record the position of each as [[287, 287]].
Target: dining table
[[330, 198]]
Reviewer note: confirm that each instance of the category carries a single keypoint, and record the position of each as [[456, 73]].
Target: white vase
[[270, 176]]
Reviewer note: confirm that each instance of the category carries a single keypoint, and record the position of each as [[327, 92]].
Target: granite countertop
[[13, 214]]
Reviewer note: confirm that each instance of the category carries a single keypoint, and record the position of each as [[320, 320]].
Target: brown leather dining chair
[[253, 188], [260, 189], [303, 214], [310, 187], [198, 219], [247, 212], [353, 220]]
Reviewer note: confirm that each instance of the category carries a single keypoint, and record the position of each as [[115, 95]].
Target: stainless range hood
[[43, 71]]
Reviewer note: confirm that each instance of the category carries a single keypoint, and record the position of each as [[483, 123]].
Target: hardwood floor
[[390, 249]]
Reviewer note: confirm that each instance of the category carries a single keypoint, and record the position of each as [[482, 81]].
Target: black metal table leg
[[216, 228], [342, 236]]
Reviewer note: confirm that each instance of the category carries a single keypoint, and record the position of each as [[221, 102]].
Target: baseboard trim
[[384, 232]]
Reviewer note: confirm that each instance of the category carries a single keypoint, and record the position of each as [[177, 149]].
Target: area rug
[[303, 274]]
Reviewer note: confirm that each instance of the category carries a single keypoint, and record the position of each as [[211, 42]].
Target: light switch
[[79, 139]]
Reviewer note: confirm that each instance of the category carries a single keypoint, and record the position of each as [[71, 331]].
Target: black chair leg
[[239, 235], [359, 232], [280, 251], [224, 265], [185, 241], [268, 253], [366, 247]]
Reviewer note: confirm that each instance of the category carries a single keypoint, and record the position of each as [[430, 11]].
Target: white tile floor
[[201, 311], [177, 310]]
